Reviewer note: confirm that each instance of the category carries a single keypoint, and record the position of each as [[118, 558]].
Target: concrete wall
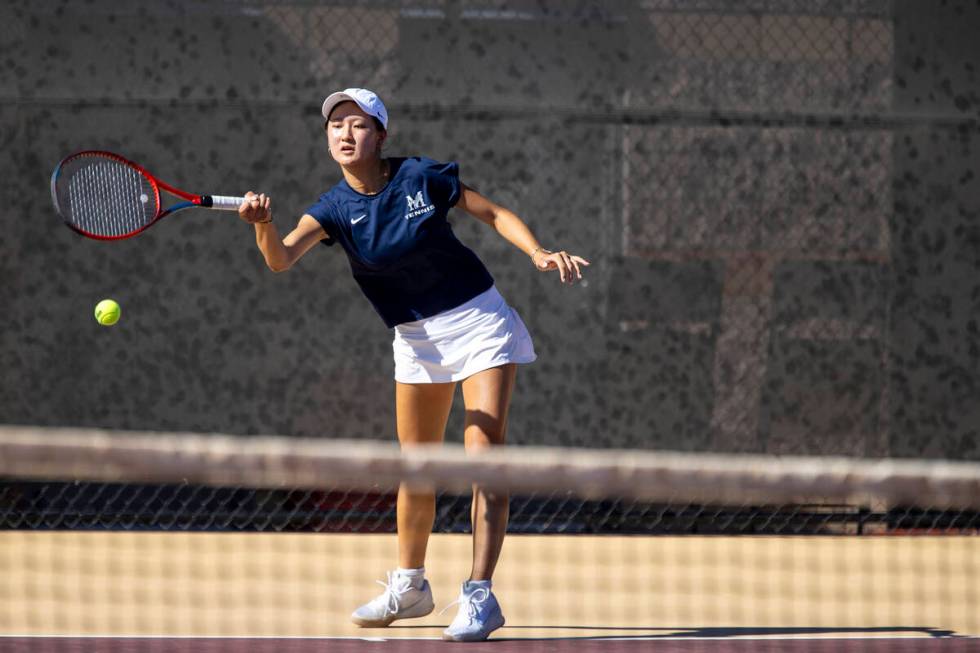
[[780, 209]]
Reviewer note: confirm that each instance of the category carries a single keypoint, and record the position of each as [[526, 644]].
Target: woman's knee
[[484, 434]]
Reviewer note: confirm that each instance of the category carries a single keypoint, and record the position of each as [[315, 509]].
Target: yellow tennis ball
[[107, 312]]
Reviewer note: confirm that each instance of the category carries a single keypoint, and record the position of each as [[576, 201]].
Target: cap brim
[[333, 100]]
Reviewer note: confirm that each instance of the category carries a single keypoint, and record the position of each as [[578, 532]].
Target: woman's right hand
[[256, 209]]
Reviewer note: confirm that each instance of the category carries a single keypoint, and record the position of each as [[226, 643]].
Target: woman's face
[[353, 135]]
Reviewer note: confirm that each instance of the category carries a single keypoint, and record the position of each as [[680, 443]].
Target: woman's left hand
[[568, 265]]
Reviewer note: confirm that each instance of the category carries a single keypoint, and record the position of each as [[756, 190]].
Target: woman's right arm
[[280, 254]]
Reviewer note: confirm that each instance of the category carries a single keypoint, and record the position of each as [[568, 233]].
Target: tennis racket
[[101, 195]]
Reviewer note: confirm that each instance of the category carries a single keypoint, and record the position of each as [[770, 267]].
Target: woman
[[451, 327]]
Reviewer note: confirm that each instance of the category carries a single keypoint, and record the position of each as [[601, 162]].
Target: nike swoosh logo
[[358, 219]]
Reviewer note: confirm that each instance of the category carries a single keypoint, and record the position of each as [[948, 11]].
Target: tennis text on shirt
[[401, 248]]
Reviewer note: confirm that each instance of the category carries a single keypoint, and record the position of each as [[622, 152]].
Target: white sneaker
[[479, 615], [400, 600]]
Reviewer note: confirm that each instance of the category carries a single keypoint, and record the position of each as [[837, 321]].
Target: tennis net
[[181, 538]]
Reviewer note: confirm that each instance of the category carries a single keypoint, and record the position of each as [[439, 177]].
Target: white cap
[[369, 102]]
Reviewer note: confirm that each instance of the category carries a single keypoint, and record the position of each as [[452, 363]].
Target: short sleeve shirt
[[402, 250]]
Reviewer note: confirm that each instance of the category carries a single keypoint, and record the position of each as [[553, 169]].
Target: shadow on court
[[668, 632]]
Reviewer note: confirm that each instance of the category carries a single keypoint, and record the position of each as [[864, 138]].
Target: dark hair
[[377, 123]]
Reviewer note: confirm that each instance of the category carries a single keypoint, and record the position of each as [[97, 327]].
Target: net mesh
[[101, 196], [181, 536]]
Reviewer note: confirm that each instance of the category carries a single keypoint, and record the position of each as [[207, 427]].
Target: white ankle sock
[[415, 576]]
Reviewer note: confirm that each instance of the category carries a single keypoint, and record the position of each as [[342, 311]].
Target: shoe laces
[[473, 601], [396, 586]]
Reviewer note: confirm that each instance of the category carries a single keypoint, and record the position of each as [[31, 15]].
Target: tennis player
[[451, 326]]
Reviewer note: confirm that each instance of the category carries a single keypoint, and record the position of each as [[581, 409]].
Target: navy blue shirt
[[402, 250]]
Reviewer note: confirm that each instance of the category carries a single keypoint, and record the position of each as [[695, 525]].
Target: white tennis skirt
[[482, 333]]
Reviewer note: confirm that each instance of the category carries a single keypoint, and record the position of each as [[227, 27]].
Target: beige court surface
[[207, 584]]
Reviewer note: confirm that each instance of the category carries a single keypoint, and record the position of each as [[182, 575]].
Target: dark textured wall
[[778, 201], [935, 369]]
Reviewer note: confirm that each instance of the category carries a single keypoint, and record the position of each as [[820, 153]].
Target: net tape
[[275, 462]]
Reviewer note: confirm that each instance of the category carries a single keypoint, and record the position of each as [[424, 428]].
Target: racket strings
[[105, 197]]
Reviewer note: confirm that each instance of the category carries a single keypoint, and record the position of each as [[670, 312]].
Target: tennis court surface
[[118, 541]]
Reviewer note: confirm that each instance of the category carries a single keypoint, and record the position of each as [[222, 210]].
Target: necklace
[[382, 179]]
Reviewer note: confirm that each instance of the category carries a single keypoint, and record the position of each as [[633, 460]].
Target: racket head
[[104, 196]]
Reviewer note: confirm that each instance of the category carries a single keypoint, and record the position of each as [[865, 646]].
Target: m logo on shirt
[[417, 206], [416, 202]]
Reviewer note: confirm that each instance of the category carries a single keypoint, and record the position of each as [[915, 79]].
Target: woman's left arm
[[517, 233]]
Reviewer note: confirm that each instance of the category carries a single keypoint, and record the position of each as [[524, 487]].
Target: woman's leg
[[421, 412], [487, 397]]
